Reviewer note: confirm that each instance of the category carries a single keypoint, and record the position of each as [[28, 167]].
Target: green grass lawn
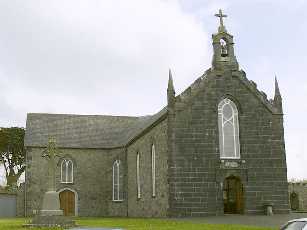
[[133, 224]]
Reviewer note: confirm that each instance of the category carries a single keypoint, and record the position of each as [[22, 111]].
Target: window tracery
[[228, 129]]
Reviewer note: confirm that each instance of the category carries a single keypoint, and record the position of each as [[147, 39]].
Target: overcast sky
[[112, 57]]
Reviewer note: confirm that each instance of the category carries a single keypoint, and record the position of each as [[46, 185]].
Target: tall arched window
[[153, 169], [138, 182], [67, 171], [228, 129], [116, 181]]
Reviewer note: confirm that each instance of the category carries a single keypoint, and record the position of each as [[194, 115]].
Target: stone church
[[216, 148]]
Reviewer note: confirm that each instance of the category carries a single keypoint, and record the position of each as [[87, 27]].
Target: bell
[[224, 51]]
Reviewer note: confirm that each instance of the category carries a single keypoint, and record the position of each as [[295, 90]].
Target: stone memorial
[[50, 214]]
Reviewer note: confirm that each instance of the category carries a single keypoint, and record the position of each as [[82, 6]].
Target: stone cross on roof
[[221, 16]]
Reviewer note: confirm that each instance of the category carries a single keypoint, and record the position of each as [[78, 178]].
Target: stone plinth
[[51, 221], [51, 215], [51, 204]]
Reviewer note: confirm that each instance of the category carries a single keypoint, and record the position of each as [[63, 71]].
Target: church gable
[[224, 63], [204, 83], [225, 136]]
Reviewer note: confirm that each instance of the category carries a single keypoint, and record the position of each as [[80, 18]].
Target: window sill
[[67, 182], [230, 158], [117, 201]]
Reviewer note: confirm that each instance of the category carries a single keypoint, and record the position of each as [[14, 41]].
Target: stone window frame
[[116, 181], [64, 168], [138, 176], [234, 119], [153, 169]]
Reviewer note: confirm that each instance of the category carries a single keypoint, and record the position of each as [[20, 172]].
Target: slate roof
[[86, 131]]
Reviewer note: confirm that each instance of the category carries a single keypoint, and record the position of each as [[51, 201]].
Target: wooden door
[[67, 202], [233, 196], [239, 200]]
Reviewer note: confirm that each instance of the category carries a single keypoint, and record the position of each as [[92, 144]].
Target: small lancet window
[[67, 171], [138, 181], [228, 129], [224, 48], [116, 181], [153, 169]]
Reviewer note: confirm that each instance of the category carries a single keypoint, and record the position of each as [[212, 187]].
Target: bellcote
[[223, 51]]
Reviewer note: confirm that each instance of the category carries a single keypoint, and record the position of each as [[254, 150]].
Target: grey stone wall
[[196, 170], [148, 206], [92, 180]]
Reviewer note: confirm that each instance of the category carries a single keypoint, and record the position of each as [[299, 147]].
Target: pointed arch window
[[67, 171], [116, 181], [153, 169], [138, 181], [228, 129]]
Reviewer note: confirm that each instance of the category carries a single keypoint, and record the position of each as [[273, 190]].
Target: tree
[[12, 153]]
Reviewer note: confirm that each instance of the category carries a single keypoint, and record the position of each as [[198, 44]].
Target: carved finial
[[221, 16], [277, 92], [277, 97], [170, 80], [170, 88]]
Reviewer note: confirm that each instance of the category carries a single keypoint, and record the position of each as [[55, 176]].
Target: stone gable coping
[[186, 96]]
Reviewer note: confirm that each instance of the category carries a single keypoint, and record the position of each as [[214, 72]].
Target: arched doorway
[[67, 202], [233, 195]]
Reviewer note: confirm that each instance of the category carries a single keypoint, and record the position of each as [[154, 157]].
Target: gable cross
[[221, 16]]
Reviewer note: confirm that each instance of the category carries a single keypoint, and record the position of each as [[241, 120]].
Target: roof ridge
[[84, 115]]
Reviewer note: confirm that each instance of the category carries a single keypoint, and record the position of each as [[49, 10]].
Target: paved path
[[255, 220]]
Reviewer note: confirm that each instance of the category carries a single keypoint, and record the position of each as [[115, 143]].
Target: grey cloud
[[112, 57], [95, 56]]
